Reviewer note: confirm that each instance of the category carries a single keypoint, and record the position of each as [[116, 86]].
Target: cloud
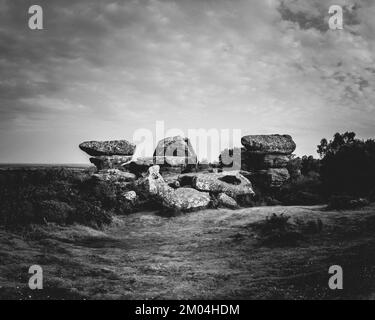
[[103, 69]]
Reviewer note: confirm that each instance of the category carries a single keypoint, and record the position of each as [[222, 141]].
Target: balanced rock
[[108, 148], [181, 199], [110, 162], [232, 183], [274, 143], [176, 147]]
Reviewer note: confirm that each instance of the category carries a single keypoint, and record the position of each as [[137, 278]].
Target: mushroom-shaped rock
[[108, 148], [274, 143]]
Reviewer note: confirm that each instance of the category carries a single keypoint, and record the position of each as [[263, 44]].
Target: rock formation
[[180, 199], [266, 157], [231, 183], [175, 154], [109, 154]]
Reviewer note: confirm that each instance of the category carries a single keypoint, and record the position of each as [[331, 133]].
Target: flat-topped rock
[[273, 144], [108, 148]]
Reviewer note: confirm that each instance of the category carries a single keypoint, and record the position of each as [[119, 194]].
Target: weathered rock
[[181, 199], [176, 147], [108, 148], [273, 178], [140, 166], [175, 161], [174, 184], [110, 162], [131, 196], [232, 183], [275, 161], [256, 161], [114, 175], [275, 143], [226, 201], [186, 199]]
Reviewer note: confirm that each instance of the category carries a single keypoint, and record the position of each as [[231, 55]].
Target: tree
[[334, 145], [348, 165]]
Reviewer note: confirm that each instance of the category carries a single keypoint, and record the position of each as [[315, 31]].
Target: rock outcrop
[[175, 155], [266, 157], [109, 154], [180, 199], [175, 147], [231, 183]]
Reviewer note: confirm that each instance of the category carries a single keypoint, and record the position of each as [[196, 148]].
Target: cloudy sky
[[103, 69]]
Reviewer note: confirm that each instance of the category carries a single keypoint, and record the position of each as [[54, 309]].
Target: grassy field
[[211, 254]]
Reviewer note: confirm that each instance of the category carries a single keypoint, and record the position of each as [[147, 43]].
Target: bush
[[60, 196], [276, 230], [306, 190], [54, 211]]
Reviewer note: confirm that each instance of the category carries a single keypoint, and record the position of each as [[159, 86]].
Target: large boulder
[[232, 183], [110, 162], [108, 148], [274, 143], [176, 147], [181, 199]]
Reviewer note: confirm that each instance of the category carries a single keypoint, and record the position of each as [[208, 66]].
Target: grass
[[210, 254]]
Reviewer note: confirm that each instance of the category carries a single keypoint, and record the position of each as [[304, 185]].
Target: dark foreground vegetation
[[62, 196]]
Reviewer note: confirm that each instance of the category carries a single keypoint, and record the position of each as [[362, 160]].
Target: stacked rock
[[267, 157], [175, 155], [108, 154]]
